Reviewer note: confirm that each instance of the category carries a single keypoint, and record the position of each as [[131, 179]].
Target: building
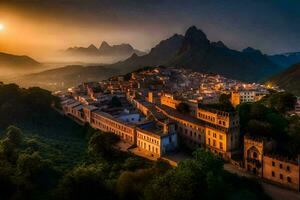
[[281, 171], [218, 117], [246, 96], [253, 154], [156, 139], [169, 100], [196, 132], [270, 167], [107, 123]]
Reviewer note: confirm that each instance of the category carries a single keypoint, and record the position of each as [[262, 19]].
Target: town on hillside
[[157, 112]]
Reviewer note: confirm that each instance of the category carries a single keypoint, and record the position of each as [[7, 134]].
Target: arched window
[[254, 155]]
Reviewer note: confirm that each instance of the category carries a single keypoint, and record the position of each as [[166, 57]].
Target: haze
[[41, 28]]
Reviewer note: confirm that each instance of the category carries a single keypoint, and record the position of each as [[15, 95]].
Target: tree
[[224, 99], [101, 144], [14, 135], [10, 144], [188, 180], [281, 101], [133, 163], [85, 182], [130, 185], [183, 108], [259, 128], [37, 171]]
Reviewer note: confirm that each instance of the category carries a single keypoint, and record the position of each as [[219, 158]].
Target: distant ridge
[[10, 63], [286, 59], [122, 51]]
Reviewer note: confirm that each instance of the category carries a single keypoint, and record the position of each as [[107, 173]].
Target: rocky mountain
[[92, 53], [286, 59], [289, 79], [122, 49], [195, 51], [158, 55], [82, 51], [10, 64]]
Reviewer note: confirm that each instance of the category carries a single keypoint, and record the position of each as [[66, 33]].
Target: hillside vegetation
[[288, 79]]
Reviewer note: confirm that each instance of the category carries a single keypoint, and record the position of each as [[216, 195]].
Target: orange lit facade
[[168, 100], [221, 139], [281, 171], [275, 169], [106, 123]]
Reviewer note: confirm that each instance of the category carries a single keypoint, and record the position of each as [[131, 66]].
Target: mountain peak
[[104, 45], [196, 37], [92, 47], [219, 44], [194, 32], [251, 50]]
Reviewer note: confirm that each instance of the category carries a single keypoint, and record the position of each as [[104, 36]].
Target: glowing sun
[[1, 27]]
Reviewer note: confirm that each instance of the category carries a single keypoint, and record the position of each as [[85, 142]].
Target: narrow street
[[275, 192]]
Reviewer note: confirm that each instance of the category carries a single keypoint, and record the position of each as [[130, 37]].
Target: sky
[[40, 27]]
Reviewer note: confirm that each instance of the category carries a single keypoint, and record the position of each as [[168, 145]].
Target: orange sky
[[40, 28]]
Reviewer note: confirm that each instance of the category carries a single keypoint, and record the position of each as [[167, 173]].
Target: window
[[288, 168], [280, 166], [214, 143], [221, 145], [220, 137], [273, 173], [209, 141], [289, 179], [254, 155], [273, 163], [281, 176]]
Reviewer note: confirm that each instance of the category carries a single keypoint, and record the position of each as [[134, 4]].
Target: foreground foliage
[[269, 118]]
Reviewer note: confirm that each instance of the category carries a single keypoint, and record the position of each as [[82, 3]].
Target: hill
[[16, 64], [288, 79], [65, 77], [195, 51]]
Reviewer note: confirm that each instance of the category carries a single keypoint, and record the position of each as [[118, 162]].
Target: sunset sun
[[1, 27]]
